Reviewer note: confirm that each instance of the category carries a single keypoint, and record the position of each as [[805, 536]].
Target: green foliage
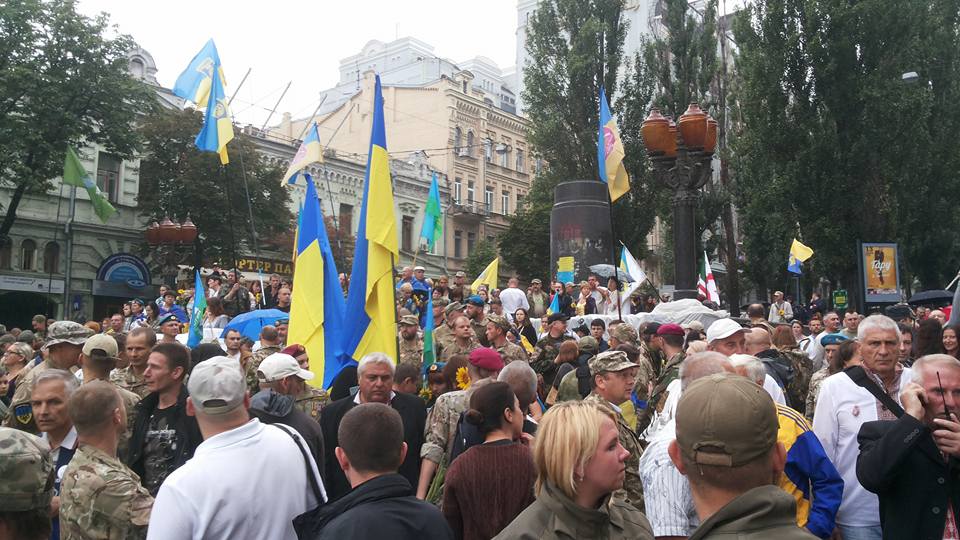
[[177, 180], [483, 254], [575, 47], [833, 146], [65, 82]]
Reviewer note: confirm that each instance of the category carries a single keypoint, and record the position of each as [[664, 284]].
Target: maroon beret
[[486, 358], [670, 329]]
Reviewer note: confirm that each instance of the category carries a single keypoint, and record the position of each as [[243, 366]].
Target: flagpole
[[396, 316], [613, 257], [415, 253], [52, 269], [68, 232]]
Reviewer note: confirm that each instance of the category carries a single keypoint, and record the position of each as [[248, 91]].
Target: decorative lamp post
[[166, 237], [681, 156]]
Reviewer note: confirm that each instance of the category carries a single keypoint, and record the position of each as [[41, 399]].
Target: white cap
[[279, 366], [216, 385], [723, 328]]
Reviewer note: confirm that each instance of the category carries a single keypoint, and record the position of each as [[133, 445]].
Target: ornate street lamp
[[166, 237], [681, 156]]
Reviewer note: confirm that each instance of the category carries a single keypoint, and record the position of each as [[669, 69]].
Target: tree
[[575, 47], [65, 83], [483, 253], [177, 180], [832, 146]]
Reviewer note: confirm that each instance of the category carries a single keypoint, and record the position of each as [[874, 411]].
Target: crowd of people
[[793, 422]]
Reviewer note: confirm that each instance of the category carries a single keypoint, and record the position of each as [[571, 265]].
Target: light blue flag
[[198, 314], [432, 216], [194, 83]]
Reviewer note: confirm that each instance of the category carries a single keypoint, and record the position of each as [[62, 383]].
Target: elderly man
[[727, 337], [100, 496], [613, 378], [375, 376], [64, 345], [279, 377], [668, 503], [781, 311], [727, 448], [26, 492], [238, 455], [912, 463], [537, 299], [441, 426], [850, 399], [51, 392], [406, 276]]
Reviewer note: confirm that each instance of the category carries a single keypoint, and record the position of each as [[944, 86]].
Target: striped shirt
[[668, 502]]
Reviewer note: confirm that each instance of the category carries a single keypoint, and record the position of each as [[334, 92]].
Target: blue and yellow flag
[[429, 352], [309, 152], [198, 313], [217, 124], [316, 318], [798, 254], [610, 153], [194, 83], [371, 326], [554, 306], [432, 215], [565, 269]]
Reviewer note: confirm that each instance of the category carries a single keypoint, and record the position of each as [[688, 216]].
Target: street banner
[[881, 276]]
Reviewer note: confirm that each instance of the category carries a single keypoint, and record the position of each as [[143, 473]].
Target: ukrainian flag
[[798, 254], [610, 153], [310, 152], [371, 326], [194, 83], [217, 124], [316, 318], [554, 306]]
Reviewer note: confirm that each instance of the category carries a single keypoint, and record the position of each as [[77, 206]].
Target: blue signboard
[[124, 268]]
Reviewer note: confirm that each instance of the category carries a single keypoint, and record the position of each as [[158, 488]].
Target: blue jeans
[[861, 533]]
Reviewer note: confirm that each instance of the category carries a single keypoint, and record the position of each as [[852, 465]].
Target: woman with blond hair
[[580, 463]]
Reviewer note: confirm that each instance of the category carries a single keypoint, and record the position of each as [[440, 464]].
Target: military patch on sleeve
[[23, 413]]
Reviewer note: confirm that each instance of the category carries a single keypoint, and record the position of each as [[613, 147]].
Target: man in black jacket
[[164, 437], [375, 377], [381, 502], [911, 463]]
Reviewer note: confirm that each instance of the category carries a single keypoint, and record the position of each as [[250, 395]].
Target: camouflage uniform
[[442, 425], [480, 330], [569, 389], [128, 379], [101, 498], [27, 471], [511, 352], [544, 354], [130, 401], [814, 391], [799, 385], [250, 373], [670, 372], [452, 348], [442, 336], [311, 401], [21, 413], [411, 351]]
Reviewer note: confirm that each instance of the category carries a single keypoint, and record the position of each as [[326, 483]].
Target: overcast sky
[[303, 41]]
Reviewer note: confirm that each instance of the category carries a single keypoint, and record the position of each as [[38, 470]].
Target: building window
[[346, 219], [458, 244], [470, 192], [519, 198], [488, 198], [406, 233], [108, 175], [5, 254], [28, 255], [505, 202], [504, 156], [519, 160], [464, 87], [51, 258], [488, 150], [471, 241], [537, 166], [457, 187], [457, 135], [470, 143]]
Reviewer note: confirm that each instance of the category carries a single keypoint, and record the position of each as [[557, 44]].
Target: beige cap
[[216, 385], [103, 343]]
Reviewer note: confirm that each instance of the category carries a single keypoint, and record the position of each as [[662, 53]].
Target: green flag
[[75, 175]]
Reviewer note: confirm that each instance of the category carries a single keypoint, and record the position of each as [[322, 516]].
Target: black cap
[[556, 317]]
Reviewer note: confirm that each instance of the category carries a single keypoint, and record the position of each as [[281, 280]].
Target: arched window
[[469, 143], [28, 255], [51, 258], [457, 135]]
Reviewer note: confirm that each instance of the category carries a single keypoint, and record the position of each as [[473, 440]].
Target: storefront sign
[[124, 268], [31, 284], [251, 264]]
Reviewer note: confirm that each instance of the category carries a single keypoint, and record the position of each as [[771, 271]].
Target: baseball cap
[[499, 321], [27, 472], [651, 328], [474, 301], [693, 325], [409, 320], [452, 306], [419, 269], [27, 336], [279, 366], [670, 329], [554, 317], [216, 385], [66, 332], [536, 281], [460, 274], [101, 342], [486, 358], [725, 420], [623, 333], [610, 361], [588, 345], [723, 328]]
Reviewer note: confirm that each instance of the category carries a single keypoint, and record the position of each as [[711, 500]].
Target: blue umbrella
[[250, 323]]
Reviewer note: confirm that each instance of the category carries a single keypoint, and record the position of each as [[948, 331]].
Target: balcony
[[472, 210]]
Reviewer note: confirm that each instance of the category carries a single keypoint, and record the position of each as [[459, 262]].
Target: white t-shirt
[[513, 299], [774, 390], [249, 482], [841, 409]]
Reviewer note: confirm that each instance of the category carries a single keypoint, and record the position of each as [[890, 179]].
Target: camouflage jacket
[[670, 372], [442, 425], [799, 386], [632, 486], [814, 391], [101, 498], [442, 336], [21, 412], [480, 330], [128, 379], [130, 401], [452, 348], [544, 355], [411, 351], [250, 371], [511, 352], [312, 401]]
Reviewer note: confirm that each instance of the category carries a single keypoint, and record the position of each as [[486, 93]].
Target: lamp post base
[[683, 294]]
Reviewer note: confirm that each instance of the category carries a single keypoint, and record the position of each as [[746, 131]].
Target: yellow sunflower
[[463, 380]]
